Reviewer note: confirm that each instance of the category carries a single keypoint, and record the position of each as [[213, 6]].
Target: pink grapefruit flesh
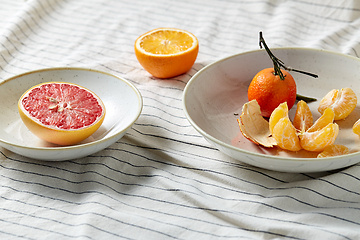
[[61, 113]]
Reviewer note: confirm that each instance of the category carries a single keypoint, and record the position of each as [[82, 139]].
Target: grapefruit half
[[61, 113]]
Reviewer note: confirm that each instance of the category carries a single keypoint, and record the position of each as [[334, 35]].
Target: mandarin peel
[[253, 126]]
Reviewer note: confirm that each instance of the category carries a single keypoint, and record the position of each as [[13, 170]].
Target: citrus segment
[[285, 135], [303, 119], [270, 91], [166, 52], [319, 140], [61, 113], [333, 150], [279, 112], [356, 127], [253, 126], [342, 102], [327, 117]]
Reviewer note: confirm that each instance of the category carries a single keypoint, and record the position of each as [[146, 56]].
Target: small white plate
[[213, 100], [123, 103]]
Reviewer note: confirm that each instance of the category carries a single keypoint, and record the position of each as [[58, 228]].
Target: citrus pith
[[61, 113], [167, 52]]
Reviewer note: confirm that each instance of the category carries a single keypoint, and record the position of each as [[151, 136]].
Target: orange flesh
[[342, 102], [333, 150], [166, 42], [303, 119]]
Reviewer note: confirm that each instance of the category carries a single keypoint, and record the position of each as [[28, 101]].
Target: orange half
[[167, 52]]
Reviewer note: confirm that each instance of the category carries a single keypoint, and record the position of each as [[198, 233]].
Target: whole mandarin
[[269, 90]]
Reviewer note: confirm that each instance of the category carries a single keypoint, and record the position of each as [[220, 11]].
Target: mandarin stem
[[278, 63]]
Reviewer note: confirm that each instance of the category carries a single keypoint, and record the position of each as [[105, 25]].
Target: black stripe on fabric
[[17, 223], [186, 206]]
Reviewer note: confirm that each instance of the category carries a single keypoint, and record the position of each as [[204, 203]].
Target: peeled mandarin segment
[[285, 135], [319, 140], [327, 117], [303, 117], [342, 102], [253, 126], [356, 127], [279, 112], [333, 150]]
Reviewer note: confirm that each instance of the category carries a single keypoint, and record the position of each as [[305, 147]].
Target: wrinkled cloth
[[163, 180]]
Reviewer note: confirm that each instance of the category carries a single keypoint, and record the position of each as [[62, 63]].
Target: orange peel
[[253, 126]]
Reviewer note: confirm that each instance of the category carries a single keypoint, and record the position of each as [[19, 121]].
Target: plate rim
[[77, 146]]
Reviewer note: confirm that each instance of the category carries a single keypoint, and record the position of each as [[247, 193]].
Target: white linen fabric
[[162, 180]]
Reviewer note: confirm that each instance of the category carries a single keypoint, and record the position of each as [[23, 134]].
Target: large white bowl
[[122, 100], [213, 99]]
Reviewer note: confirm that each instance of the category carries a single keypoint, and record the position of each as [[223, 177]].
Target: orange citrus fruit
[[333, 150], [303, 119], [342, 102], [269, 90], [167, 52], [61, 113], [319, 140]]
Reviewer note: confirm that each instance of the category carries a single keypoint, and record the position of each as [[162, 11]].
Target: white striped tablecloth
[[162, 180]]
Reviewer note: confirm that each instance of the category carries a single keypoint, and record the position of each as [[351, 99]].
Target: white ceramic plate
[[213, 99], [122, 100]]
